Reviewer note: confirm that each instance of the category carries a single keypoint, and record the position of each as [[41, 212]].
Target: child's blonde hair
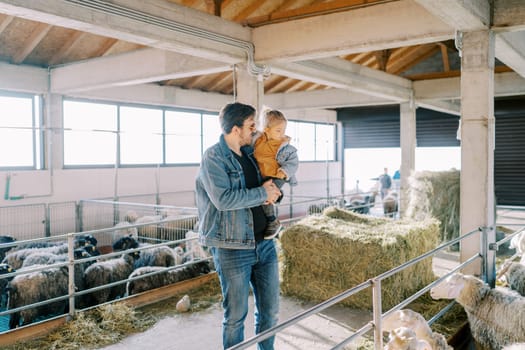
[[272, 117]]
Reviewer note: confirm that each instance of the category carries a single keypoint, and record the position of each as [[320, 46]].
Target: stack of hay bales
[[324, 255], [435, 194]]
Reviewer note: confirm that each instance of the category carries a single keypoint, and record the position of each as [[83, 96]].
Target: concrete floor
[[202, 330]]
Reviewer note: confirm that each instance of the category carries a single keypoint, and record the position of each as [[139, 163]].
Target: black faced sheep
[[496, 316], [35, 287], [4, 250], [4, 269], [155, 256], [416, 322], [102, 273], [123, 229], [169, 276]]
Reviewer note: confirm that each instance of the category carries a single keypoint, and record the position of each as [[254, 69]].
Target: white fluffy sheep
[[518, 242], [155, 256], [496, 316], [404, 338], [194, 250], [16, 258], [108, 271], [164, 278], [123, 229], [416, 322], [34, 287]]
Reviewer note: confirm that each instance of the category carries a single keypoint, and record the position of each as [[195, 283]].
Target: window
[[109, 134], [140, 135], [183, 137], [90, 133], [314, 141], [211, 130], [20, 139]]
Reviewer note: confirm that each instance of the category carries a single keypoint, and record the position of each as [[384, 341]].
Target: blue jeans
[[239, 269]]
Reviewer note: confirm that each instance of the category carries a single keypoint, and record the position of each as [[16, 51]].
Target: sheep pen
[[324, 255]]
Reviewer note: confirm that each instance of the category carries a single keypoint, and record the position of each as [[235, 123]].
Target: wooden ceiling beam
[[5, 22], [67, 47], [422, 54], [38, 33], [401, 57], [272, 87], [301, 84], [106, 47], [313, 8], [247, 11], [444, 57], [219, 80]]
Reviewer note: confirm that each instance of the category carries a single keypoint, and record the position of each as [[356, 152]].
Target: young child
[[277, 160]]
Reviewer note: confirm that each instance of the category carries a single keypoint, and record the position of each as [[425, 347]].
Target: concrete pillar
[[477, 143], [408, 149], [249, 88], [54, 136]]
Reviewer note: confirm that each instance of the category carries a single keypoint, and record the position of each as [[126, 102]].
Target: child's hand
[[281, 174]]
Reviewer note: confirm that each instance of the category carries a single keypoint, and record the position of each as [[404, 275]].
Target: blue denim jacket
[[223, 201]]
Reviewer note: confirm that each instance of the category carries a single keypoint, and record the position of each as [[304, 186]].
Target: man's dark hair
[[234, 114]]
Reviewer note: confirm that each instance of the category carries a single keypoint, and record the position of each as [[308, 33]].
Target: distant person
[[277, 160], [397, 179], [386, 183]]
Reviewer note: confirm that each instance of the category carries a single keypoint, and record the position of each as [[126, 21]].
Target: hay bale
[[436, 194], [324, 255]]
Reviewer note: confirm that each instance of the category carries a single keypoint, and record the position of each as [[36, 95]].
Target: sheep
[[122, 230], [35, 287], [390, 206], [416, 322], [496, 316], [4, 269], [16, 258], [156, 256], [518, 242], [46, 258], [109, 271], [514, 274], [194, 250], [164, 278], [517, 346], [4, 240], [404, 338]]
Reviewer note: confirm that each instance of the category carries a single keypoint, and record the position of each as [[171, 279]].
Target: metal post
[[48, 221], [71, 267], [377, 312]]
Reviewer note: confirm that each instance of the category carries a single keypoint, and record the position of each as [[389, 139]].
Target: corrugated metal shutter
[[436, 129], [509, 153], [371, 127]]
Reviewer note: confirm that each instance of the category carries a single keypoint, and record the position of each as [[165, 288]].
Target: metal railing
[[375, 284]]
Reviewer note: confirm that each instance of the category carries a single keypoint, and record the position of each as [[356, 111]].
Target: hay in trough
[[436, 194], [324, 255], [108, 324]]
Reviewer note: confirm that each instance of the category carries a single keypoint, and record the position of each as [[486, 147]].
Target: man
[[232, 223], [386, 182]]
